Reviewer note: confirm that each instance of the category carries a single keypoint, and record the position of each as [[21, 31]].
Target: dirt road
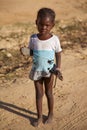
[[17, 105]]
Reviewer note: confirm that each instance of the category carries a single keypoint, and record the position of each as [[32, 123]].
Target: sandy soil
[[17, 96], [12, 11], [17, 105]]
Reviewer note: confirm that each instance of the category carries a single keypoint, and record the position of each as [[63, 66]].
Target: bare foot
[[49, 119], [38, 122]]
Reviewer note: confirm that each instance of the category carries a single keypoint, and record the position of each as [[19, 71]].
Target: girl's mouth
[[43, 31]]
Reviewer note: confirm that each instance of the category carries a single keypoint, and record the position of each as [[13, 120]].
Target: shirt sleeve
[[57, 45], [30, 44]]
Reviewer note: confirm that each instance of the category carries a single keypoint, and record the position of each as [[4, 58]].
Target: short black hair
[[46, 12]]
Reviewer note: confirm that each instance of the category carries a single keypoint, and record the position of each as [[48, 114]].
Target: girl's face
[[44, 25]]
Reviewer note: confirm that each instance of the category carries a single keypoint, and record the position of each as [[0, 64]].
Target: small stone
[[9, 55]]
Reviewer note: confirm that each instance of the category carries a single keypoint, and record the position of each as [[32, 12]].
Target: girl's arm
[[31, 52], [58, 65], [58, 60]]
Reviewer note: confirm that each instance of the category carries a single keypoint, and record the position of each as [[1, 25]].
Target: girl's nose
[[44, 27]]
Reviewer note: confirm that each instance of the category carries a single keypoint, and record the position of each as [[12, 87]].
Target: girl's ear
[[36, 21], [53, 24]]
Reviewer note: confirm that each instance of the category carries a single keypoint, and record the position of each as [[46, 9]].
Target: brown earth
[[17, 95], [12, 11]]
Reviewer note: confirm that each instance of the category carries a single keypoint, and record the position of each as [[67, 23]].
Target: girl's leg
[[49, 94], [39, 95]]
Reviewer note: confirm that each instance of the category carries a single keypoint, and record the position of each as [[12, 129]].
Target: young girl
[[45, 47]]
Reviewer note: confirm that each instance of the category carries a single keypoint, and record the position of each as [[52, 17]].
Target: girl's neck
[[44, 37]]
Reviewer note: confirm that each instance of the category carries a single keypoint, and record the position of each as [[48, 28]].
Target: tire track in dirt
[[72, 124]]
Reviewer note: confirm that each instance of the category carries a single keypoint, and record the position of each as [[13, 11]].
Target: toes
[[37, 123], [49, 120]]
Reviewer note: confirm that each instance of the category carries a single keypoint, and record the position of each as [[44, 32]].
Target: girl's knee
[[49, 94], [39, 95]]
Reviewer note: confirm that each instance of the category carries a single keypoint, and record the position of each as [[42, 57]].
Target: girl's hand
[[59, 74]]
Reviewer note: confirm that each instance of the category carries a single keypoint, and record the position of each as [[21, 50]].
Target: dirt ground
[[17, 95], [12, 11]]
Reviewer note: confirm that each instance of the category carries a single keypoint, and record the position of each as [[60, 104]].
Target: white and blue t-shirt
[[43, 55]]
